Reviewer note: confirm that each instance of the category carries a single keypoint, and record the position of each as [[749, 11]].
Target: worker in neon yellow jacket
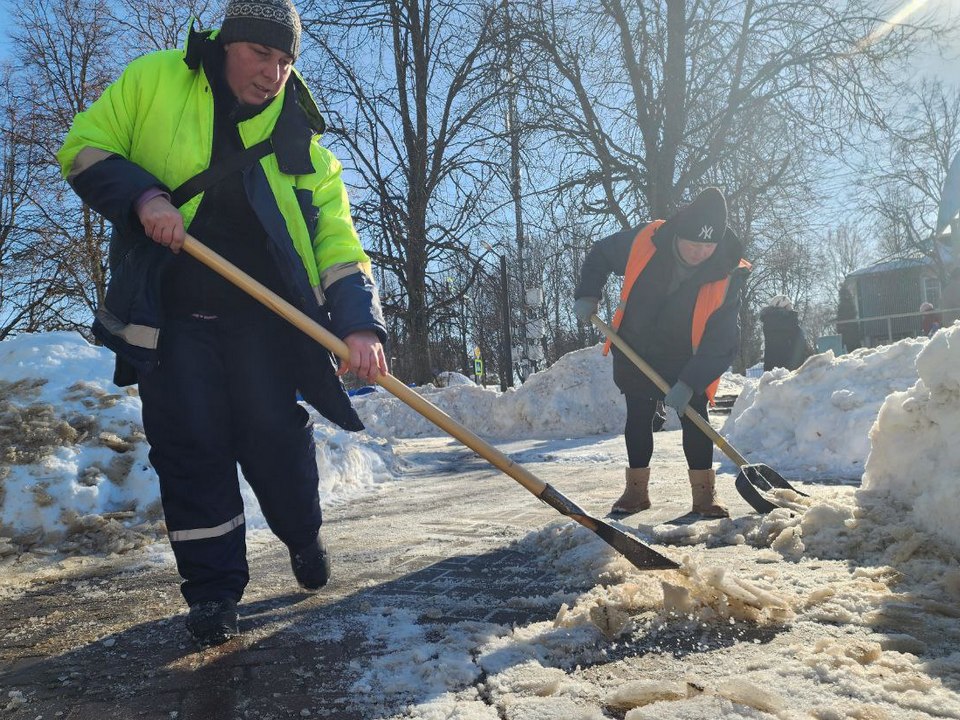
[[221, 140]]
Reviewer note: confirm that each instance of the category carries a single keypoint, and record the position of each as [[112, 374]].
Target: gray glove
[[586, 307], [679, 397]]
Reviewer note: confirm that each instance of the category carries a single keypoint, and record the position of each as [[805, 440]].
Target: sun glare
[[890, 23]]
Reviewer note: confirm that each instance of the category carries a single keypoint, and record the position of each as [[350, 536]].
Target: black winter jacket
[[657, 323], [783, 342]]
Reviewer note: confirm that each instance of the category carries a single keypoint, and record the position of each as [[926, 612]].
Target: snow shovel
[[641, 555], [752, 478]]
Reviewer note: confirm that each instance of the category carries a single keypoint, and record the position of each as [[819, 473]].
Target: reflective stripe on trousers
[[204, 533]]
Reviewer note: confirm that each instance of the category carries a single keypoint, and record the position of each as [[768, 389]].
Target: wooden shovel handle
[[339, 348], [645, 368]]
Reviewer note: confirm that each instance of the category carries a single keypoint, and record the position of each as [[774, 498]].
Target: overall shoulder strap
[[215, 173]]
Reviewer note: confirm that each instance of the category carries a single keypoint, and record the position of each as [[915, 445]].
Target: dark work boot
[[311, 565], [213, 622]]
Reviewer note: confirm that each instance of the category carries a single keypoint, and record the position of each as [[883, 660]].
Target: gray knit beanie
[[274, 23]]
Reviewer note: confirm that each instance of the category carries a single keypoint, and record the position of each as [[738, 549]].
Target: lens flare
[[889, 24]]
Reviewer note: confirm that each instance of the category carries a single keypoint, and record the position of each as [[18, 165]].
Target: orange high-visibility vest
[[709, 299]]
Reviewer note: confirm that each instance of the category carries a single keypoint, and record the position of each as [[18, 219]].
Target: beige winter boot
[[702, 483], [635, 496]]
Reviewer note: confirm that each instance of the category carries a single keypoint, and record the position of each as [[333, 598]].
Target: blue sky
[[5, 23]]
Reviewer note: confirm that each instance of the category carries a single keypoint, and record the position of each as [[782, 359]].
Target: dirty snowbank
[[574, 397], [74, 471]]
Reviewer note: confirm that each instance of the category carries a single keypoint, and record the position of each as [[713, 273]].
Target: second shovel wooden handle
[[645, 368]]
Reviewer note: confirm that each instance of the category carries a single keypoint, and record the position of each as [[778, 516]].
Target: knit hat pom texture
[[274, 23]]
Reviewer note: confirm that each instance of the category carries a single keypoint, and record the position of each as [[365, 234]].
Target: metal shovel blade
[[771, 477], [754, 479], [642, 556]]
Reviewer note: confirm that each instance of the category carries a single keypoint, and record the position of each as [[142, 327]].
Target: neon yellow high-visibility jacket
[[153, 127]]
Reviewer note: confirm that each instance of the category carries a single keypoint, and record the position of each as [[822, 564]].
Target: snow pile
[[74, 470], [389, 417], [907, 504], [696, 591], [733, 384], [878, 674], [665, 608], [74, 466], [915, 456], [574, 397], [815, 422], [451, 378]]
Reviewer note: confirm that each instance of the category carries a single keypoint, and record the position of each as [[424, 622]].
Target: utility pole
[[506, 351], [514, 133]]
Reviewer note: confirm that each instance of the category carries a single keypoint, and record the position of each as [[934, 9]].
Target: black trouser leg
[[697, 447], [638, 432], [187, 419], [274, 434]]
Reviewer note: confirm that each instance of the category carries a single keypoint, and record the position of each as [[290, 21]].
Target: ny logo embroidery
[[706, 233]]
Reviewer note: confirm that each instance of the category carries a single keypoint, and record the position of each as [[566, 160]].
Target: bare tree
[[845, 249], [647, 97], [902, 186], [405, 83], [15, 302], [66, 48], [28, 280], [147, 25]]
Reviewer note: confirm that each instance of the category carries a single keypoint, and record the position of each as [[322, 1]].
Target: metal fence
[[885, 329]]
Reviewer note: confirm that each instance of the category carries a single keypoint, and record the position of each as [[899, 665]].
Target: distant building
[[880, 303], [883, 300]]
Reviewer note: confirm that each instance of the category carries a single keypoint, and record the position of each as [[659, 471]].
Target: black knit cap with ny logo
[[703, 220], [274, 23]]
